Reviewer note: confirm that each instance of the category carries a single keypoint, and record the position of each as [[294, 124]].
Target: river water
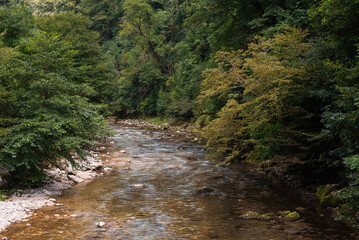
[[162, 189]]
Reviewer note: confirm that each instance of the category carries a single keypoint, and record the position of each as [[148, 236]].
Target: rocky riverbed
[[21, 204], [162, 187]]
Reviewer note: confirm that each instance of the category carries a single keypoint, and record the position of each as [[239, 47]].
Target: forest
[[274, 83]]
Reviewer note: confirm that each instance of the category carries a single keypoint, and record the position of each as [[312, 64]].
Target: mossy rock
[[293, 216], [289, 215], [284, 213], [327, 195], [250, 215], [267, 216]]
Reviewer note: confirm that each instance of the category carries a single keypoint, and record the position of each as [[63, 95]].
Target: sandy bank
[[20, 205]]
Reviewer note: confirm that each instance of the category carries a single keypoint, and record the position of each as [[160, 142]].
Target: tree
[[143, 64], [97, 68], [259, 87], [53, 117], [335, 21], [16, 21], [232, 24], [105, 15]]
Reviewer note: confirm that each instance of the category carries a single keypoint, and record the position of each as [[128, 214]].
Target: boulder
[[96, 166], [83, 175], [75, 179], [328, 195]]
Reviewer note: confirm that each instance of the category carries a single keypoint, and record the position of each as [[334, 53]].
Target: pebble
[[101, 224], [52, 199], [123, 151], [138, 185], [73, 215], [301, 209], [59, 204], [56, 215], [28, 224]]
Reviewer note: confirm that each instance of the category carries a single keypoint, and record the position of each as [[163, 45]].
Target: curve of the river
[[167, 190]]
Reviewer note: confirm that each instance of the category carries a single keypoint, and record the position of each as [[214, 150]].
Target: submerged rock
[[139, 185], [204, 190]]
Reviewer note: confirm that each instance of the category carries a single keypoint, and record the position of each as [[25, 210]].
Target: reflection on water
[[165, 190]]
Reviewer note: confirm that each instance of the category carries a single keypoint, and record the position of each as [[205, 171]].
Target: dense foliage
[[45, 93], [271, 82]]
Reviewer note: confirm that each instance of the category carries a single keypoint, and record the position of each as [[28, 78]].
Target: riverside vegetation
[[270, 82]]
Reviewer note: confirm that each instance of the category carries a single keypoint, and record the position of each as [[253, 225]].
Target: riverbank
[[21, 204]]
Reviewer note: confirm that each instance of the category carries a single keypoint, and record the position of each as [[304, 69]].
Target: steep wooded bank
[[271, 82]]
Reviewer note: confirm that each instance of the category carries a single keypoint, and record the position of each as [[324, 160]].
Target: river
[[161, 189]]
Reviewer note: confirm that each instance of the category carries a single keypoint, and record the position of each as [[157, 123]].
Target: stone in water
[[101, 224]]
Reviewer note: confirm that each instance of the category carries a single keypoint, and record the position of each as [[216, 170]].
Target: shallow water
[[167, 190]]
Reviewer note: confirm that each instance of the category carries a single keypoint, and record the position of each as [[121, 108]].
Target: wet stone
[[301, 209], [204, 190], [138, 186], [100, 224]]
